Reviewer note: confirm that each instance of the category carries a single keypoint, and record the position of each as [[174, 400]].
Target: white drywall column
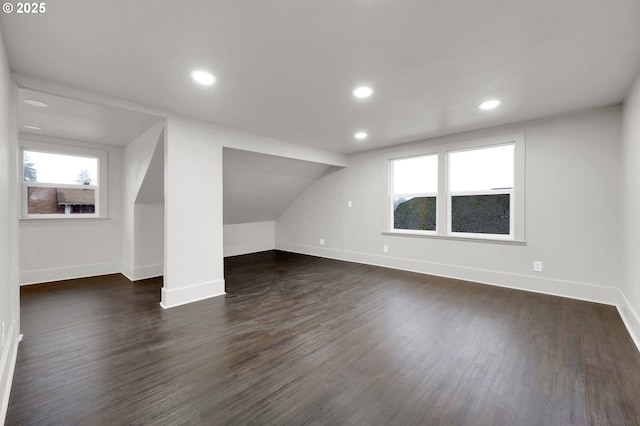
[[630, 308], [9, 290], [193, 266], [137, 157]]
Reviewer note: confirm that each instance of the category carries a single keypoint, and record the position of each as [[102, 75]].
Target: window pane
[[61, 169], [481, 169], [417, 213], [482, 214], [416, 175], [61, 200]]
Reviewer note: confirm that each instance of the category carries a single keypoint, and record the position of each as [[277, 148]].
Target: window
[[415, 189], [481, 191], [476, 187], [62, 181]]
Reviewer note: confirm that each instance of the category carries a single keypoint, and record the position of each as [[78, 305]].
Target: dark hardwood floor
[[307, 341]]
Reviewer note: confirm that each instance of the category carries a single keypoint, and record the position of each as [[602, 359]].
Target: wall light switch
[[321, 241], [385, 248], [537, 266], [349, 204]]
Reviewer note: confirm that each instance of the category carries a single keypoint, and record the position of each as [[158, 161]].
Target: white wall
[[149, 241], [246, 238], [572, 214], [138, 156], [9, 290], [61, 249], [631, 210]]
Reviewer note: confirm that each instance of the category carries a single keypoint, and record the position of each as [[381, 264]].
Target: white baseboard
[[7, 367], [142, 272], [149, 271], [69, 272], [181, 296], [630, 318], [127, 271], [248, 248], [563, 288]]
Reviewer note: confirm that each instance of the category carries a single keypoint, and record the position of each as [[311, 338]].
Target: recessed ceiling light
[[490, 104], [203, 77], [362, 92], [360, 135], [35, 103], [30, 127]]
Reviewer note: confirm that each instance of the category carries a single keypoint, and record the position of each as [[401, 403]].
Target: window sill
[[62, 219], [454, 238]]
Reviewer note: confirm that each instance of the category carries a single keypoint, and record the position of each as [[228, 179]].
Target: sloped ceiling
[[259, 187], [152, 188], [67, 118]]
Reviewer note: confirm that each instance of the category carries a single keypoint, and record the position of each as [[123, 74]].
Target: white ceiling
[[259, 187], [286, 69], [81, 121]]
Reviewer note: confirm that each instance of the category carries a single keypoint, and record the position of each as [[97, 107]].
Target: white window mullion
[[489, 171]]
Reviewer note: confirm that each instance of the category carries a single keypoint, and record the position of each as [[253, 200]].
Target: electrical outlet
[[537, 266], [385, 248], [321, 241], [349, 204]]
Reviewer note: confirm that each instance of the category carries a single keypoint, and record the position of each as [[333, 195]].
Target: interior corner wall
[[9, 289], [137, 157], [246, 238], [571, 219], [630, 158]]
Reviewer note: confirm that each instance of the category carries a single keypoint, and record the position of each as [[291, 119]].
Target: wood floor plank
[[307, 341]]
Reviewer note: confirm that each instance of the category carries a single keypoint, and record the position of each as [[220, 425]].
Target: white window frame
[[410, 195], [443, 197], [101, 189], [510, 191]]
